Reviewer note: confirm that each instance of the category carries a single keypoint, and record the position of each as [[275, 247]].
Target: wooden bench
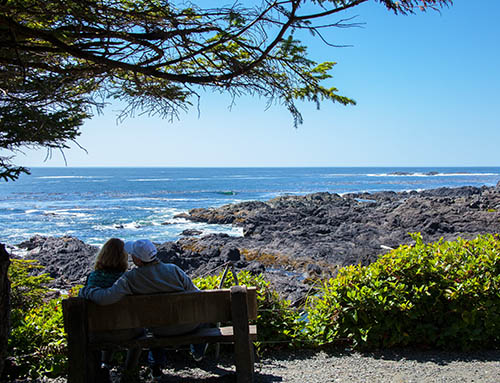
[[237, 305]]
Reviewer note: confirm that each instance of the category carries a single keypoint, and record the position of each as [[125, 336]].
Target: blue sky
[[427, 91]]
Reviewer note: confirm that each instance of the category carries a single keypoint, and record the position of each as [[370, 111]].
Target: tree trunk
[[4, 304]]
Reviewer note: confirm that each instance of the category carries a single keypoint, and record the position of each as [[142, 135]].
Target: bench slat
[[157, 310], [209, 335]]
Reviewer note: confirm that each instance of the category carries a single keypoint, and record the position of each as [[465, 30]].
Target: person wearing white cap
[[151, 276]]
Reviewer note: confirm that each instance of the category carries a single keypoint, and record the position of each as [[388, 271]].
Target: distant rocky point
[[432, 173]]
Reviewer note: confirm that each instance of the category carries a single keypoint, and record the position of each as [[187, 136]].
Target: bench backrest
[[206, 306]]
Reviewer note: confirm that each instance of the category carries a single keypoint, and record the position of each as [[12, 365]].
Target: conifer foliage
[[60, 60]]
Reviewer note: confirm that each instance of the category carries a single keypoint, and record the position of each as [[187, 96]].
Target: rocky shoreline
[[295, 239]]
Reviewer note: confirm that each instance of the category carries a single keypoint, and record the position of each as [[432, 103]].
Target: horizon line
[[258, 167]]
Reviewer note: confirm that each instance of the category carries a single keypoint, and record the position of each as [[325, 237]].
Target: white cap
[[142, 249]]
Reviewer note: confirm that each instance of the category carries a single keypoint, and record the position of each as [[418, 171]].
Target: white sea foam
[[230, 230], [196, 179], [149, 179], [284, 194], [179, 221], [399, 175], [418, 174], [372, 191], [120, 226], [207, 228], [133, 225], [244, 177], [17, 251], [96, 241], [466, 174], [68, 213]]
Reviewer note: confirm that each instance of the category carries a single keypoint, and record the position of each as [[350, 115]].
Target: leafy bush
[[37, 344], [442, 294], [276, 320]]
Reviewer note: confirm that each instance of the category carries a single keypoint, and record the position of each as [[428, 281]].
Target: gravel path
[[306, 366], [404, 366]]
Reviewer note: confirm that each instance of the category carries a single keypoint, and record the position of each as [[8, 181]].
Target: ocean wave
[[67, 213], [289, 193], [373, 191], [17, 251], [149, 179], [467, 174], [205, 228], [67, 177], [142, 199], [336, 175], [196, 179], [246, 177], [232, 231], [431, 174], [119, 226]]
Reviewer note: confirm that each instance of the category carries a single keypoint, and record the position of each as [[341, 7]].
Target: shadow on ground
[[422, 356]]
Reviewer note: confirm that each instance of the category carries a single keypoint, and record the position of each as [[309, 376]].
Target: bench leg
[[83, 368], [243, 347], [82, 363]]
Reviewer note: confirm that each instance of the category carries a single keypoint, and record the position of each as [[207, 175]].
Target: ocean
[[94, 204]]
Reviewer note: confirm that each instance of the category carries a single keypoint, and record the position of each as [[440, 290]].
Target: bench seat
[[204, 335]]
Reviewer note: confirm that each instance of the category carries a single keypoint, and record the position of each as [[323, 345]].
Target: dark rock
[[313, 269], [66, 259], [191, 232], [168, 251], [256, 268], [343, 230], [211, 252], [230, 254]]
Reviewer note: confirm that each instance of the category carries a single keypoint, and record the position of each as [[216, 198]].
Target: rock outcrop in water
[[294, 238], [66, 259], [354, 228]]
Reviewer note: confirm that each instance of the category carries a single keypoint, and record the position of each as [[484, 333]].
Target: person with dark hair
[[111, 262]]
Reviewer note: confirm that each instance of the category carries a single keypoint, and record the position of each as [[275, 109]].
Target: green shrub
[[441, 295], [37, 343], [277, 321]]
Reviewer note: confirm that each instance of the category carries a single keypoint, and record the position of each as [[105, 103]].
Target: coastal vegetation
[[440, 295], [37, 343], [437, 295], [62, 61]]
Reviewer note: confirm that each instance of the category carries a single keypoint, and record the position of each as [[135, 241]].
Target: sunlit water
[[94, 204]]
